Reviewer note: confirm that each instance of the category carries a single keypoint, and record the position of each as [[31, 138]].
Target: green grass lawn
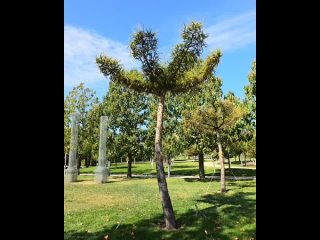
[[178, 168], [131, 209]]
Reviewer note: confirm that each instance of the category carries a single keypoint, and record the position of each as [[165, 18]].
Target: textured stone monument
[[102, 171], [72, 171]]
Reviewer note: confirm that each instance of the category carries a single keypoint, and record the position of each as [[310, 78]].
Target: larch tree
[[218, 119], [184, 71]]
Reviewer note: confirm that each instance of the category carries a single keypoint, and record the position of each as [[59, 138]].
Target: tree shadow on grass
[[230, 182], [241, 184], [238, 172], [183, 170], [228, 216]]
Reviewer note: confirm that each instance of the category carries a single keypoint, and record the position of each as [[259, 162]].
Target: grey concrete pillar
[[102, 171], [72, 171]]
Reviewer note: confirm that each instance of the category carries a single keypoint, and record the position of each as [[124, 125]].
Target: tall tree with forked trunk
[[184, 71]]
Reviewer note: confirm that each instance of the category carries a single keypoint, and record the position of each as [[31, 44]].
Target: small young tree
[[217, 119]]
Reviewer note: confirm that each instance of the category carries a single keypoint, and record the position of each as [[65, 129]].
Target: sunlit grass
[[130, 209]]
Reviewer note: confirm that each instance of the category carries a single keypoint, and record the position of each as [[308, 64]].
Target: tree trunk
[[221, 159], [129, 166], [239, 159], [79, 164], [65, 162], [245, 160], [229, 162], [201, 167], [90, 159], [65, 159], [169, 217], [87, 162]]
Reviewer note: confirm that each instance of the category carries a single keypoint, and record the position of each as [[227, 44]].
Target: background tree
[[250, 117], [173, 142], [198, 141], [67, 134], [80, 99], [126, 110], [92, 133], [233, 138], [250, 94], [185, 71], [217, 119]]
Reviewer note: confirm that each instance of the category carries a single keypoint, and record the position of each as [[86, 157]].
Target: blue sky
[[106, 26]]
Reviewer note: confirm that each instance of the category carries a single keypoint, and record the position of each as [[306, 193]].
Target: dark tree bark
[[129, 175], [201, 166]]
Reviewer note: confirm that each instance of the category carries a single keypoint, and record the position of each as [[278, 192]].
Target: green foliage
[[251, 89], [197, 140], [186, 54], [220, 117], [185, 70], [126, 110], [92, 133], [250, 99], [251, 149], [144, 48], [80, 99], [67, 130], [247, 126], [172, 142]]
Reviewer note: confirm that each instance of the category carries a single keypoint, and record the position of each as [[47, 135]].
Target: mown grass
[[178, 168], [130, 209]]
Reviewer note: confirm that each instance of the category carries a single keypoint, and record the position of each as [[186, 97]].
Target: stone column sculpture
[[102, 170], [72, 171]]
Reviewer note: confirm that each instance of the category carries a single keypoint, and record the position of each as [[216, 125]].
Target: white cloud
[[80, 50], [233, 33], [82, 46]]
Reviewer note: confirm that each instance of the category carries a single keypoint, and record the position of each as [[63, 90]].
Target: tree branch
[[184, 51], [132, 79]]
